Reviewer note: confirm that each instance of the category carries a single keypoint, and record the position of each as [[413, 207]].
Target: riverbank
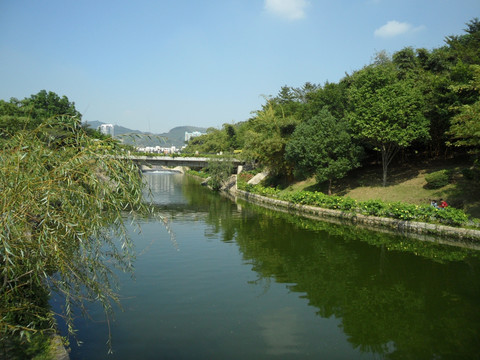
[[442, 234]]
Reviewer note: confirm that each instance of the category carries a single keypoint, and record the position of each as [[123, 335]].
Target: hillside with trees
[[174, 137], [416, 106]]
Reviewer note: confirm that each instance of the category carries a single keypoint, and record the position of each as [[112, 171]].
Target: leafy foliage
[[386, 111], [437, 179], [323, 146], [266, 138], [30, 112], [64, 194], [466, 124], [219, 171], [214, 141], [395, 210]]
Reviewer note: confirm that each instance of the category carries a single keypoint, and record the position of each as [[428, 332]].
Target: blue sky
[[153, 65]]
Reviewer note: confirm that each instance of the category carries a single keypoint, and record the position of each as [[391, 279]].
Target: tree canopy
[[415, 100], [465, 127], [323, 146], [30, 112], [386, 111]]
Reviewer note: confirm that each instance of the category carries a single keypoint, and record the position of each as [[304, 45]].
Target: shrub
[[472, 173], [396, 210], [468, 173], [437, 179], [402, 211], [245, 177], [219, 171], [452, 216], [372, 207]]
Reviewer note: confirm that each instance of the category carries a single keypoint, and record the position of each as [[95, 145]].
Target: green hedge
[[395, 210]]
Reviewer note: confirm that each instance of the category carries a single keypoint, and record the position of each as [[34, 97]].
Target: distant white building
[[189, 135], [158, 150], [107, 129]]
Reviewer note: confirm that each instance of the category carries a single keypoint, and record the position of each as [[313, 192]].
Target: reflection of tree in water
[[220, 211], [391, 302]]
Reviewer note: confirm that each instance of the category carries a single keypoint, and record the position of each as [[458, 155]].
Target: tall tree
[[323, 146], [30, 112], [332, 95], [386, 111], [266, 138], [465, 47], [465, 128]]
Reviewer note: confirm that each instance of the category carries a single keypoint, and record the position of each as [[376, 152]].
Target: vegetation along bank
[[415, 106], [428, 231], [63, 185]]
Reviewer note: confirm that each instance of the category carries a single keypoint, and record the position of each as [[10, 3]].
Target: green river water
[[235, 281]]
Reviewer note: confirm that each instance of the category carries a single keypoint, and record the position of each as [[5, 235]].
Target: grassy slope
[[406, 184]]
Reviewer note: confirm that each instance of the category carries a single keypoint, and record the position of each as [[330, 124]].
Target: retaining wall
[[450, 235]]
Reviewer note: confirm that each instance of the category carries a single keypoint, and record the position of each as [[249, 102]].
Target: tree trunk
[[384, 166], [388, 153], [384, 178], [330, 187]]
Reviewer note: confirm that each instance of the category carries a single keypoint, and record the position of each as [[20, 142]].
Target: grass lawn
[[405, 183]]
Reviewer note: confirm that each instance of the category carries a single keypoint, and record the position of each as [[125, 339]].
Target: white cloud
[[288, 9], [394, 28]]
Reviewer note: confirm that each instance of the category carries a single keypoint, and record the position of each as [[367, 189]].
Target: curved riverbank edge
[[442, 234], [59, 351]]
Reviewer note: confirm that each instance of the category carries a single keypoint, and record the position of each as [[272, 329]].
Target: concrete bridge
[[191, 162]]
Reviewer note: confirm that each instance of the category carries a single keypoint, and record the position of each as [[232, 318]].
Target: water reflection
[[253, 283], [160, 188], [281, 331], [396, 297]]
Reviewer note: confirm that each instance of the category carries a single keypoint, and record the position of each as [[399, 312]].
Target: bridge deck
[[191, 162]]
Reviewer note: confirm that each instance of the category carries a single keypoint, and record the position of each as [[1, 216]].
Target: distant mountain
[[175, 137]]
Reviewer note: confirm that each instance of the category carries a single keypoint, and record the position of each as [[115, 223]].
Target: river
[[227, 280]]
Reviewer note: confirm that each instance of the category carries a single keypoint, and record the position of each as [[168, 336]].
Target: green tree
[[446, 69], [465, 128], [214, 141], [323, 146], [231, 133], [332, 95], [45, 105], [219, 171], [465, 47], [64, 201], [386, 111], [30, 112], [266, 138]]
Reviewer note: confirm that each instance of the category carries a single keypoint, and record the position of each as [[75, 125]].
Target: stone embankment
[[442, 234], [469, 238]]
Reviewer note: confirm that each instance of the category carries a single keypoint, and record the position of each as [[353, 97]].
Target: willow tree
[[64, 200], [385, 110]]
